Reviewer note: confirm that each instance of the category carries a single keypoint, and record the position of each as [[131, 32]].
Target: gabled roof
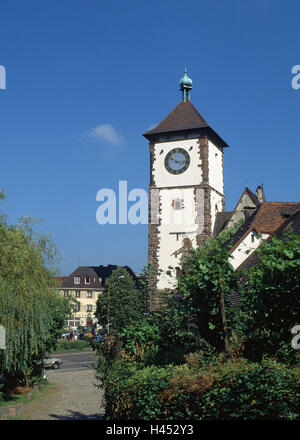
[[293, 222], [265, 220], [242, 232], [270, 215], [182, 118], [242, 208], [222, 218], [252, 196]]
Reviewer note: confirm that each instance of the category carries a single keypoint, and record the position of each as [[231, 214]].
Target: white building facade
[[186, 187]]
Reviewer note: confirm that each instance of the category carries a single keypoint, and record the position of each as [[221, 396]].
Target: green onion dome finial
[[186, 85]]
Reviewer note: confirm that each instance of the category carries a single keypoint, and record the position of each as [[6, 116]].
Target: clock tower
[[186, 186]]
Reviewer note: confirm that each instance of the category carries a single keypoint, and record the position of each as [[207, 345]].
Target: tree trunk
[[225, 329], [118, 347], [138, 349]]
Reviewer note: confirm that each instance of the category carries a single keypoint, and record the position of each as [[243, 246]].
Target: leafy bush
[[271, 299], [131, 392], [160, 339], [73, 345], [204, 389], [235, 390], [255, 378]]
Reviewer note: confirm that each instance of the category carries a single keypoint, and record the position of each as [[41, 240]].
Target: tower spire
[[186, 85]]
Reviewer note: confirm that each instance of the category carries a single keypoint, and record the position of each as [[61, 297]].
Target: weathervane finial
[[186, 85]]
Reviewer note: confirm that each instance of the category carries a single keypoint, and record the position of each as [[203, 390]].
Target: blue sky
[[73, 66]]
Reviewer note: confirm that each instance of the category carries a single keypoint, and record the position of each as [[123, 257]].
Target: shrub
[[204, 389], [235, 390], [73, 345], [271, 298], [131, 392]]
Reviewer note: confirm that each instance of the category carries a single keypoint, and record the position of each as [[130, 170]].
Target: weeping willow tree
[[31, 309]]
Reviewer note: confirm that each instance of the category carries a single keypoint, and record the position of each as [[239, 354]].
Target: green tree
[[272, 297], [31, 309], [207, 279], [121, 303]]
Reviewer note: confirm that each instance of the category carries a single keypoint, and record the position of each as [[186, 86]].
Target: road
[[74, 395], [77, 361]]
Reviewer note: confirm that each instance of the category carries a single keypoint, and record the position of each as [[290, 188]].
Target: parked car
[[65, 335], [53, 363]]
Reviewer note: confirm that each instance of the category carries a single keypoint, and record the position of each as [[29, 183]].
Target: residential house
[[85, 284], [262, 220]]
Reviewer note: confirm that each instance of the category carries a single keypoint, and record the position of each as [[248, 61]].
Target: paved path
[[73, 397]]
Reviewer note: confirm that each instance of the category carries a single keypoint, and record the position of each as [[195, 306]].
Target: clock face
[[177, 161]]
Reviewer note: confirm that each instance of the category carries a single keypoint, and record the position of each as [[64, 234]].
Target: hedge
[[234, 389]]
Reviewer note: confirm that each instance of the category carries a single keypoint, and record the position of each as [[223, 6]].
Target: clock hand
[[176, 161], [179, 161]]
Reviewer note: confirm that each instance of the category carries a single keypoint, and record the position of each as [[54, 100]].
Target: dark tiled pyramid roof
[[184, 117]]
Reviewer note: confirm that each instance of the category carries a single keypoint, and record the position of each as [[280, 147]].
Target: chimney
[[260, 193]]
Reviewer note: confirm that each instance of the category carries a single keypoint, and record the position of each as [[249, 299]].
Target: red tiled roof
[[270, 216], [293, 222], [265, 220]]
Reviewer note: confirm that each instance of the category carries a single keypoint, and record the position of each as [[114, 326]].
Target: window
[[177, 204], [87, 280], [73, 322], [89, 308], [252, 238], [100, 280], [66, 293], [77, 294], [89, 295], [76, 280], [77, 307]]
